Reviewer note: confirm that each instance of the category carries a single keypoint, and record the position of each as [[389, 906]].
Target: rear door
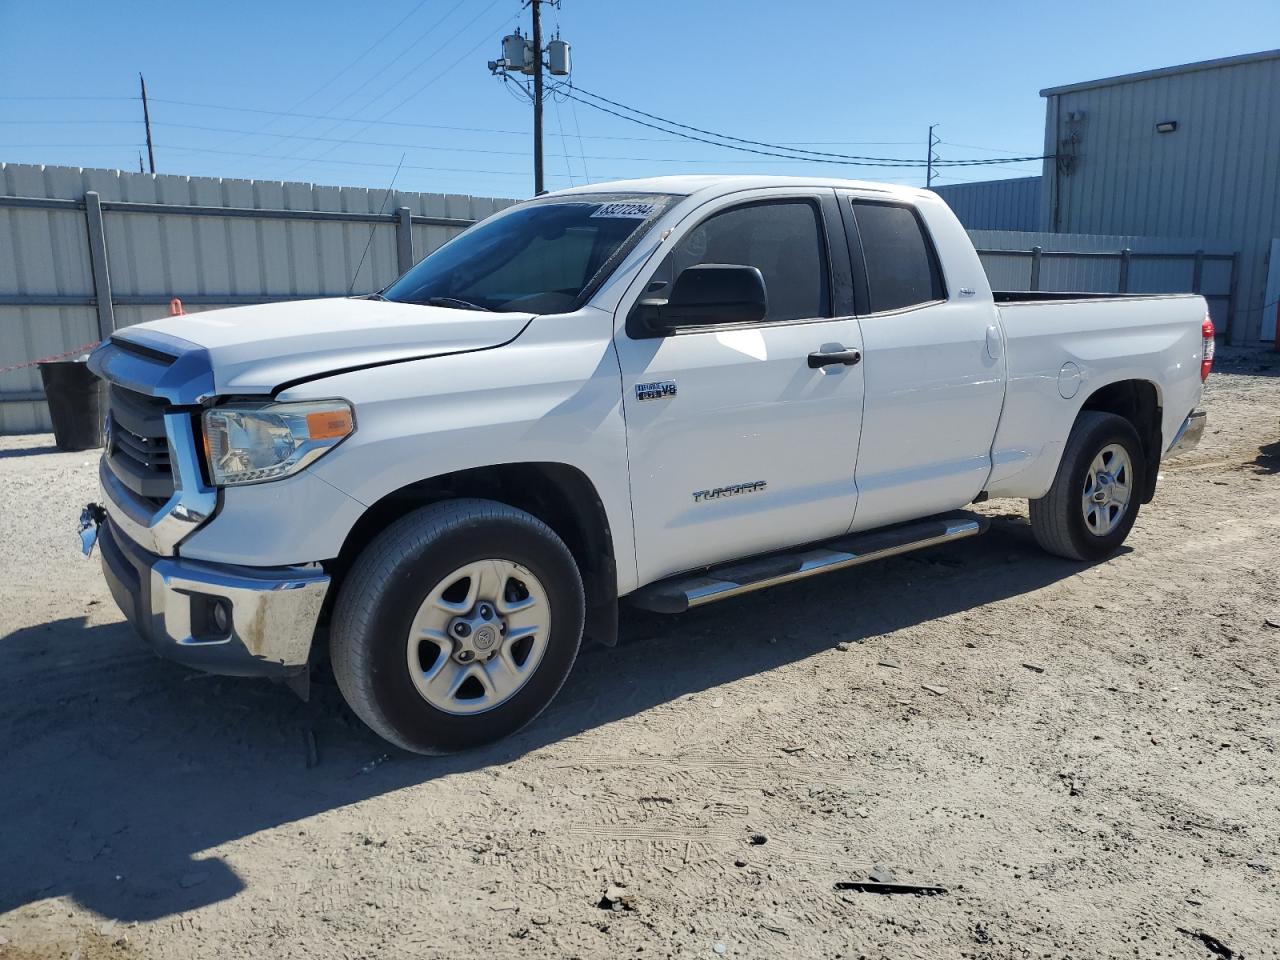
[[736, 444], [932, 367]]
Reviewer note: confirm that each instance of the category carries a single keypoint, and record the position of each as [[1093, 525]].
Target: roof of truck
[[685, 184]]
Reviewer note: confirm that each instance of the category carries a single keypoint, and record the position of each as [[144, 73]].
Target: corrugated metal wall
[[1215, 176], [1063, 269], [44, 253], [1012, 204]]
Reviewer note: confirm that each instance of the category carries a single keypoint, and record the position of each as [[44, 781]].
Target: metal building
[[1186, 151], [1012, 204]]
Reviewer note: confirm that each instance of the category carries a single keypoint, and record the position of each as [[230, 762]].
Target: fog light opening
[[220, 614]]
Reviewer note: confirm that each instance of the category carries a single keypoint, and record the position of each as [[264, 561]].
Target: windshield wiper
[[453, 302]]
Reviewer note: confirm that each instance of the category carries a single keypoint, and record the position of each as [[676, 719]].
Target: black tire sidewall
[[1112, 430], [415, 576]]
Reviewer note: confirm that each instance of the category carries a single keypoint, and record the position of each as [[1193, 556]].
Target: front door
[[737, 444]]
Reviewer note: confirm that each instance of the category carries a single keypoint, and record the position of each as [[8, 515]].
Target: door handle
[[844, 357]]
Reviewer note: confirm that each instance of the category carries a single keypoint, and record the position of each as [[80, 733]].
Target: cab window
[[783, 238], [902, 268]]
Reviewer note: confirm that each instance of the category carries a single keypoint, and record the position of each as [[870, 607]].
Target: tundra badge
[[702, 496]]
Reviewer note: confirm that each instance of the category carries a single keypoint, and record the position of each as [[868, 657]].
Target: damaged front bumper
[[224, 619]]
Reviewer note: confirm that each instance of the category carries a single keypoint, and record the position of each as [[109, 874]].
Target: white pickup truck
[[669, 391]]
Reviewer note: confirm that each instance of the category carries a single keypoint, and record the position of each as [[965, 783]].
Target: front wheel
[[457, 625], [1094, 500]]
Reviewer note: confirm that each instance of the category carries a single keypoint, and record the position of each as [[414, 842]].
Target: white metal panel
[[1099, 275], [165, 255]]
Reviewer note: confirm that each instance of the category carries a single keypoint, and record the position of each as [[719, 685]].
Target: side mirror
[[710, 294]]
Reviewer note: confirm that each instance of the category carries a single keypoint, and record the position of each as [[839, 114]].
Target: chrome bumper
[[1188, 436], [267, 621]]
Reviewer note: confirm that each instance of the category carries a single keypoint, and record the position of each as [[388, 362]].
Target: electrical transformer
[[558, 57], [517, 52]]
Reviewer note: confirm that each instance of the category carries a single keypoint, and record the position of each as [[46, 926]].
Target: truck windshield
[[537, 258]]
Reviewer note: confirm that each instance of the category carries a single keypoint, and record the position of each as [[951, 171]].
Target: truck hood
[[257, 349]]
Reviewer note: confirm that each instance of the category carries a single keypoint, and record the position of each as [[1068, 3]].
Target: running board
[[686, 591]]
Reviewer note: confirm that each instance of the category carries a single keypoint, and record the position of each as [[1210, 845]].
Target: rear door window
[[902, 266]]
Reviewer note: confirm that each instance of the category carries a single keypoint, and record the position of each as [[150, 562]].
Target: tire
[[1060, 520], [401, 582]]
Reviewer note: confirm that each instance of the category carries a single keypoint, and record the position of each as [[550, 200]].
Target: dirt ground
[[1092, 774]]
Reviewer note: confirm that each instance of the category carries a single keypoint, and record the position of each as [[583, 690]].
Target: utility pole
[[521, 55], [537, 96], [146, 119], [933, 142]]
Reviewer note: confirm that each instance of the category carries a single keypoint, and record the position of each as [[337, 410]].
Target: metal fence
[[85, 252], [1098, 264]]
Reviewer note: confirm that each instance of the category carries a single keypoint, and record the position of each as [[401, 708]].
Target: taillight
[[1206, 358]]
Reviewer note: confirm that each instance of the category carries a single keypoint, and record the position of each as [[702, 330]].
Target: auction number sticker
[[628, 210]]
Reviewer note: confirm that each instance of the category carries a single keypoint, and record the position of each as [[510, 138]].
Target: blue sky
[[405, 77]]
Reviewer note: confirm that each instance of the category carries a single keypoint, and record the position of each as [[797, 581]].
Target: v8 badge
[[658, 390]]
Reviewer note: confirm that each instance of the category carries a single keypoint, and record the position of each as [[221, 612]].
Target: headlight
[[252, 443]]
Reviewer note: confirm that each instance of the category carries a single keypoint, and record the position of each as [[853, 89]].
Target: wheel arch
[[1139, 402], [559, 494]]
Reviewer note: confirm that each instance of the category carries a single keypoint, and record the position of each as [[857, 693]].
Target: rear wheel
[[457, 626], [1095, 497]]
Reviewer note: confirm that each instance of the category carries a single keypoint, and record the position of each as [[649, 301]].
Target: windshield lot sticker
[[625, 210]]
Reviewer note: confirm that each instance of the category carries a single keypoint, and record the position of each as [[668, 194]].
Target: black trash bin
[[77, 403]]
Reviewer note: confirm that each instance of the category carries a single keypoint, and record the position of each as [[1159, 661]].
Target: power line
[[47, 123], [971, 146], [24, 97], [387, 66], [729, 146], [564, 144], [420, 89], [345, 163], [574, 89], [407, 166], [136, 143], [364, 53], [573, 105], [457, 149], [351, 63], [774, 149]]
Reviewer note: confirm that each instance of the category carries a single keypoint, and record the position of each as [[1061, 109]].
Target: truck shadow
[[1268, 459], [125, 772]]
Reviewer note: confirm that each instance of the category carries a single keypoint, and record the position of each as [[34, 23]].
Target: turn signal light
[[329, 424], [1206, 357]]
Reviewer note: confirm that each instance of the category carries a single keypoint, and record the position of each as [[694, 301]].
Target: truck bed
[[1037, 296]]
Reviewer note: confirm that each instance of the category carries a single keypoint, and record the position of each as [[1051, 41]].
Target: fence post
[[404, 239], [98, 264], [1197, 272], [1231, 297], [1036, 255], [1125, 255]]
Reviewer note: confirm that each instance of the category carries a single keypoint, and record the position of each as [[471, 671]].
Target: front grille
[[138, 453]]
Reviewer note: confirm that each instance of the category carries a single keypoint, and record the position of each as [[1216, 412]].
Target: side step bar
[[686, 591]]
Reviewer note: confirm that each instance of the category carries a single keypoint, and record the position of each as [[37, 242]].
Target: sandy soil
[[1095, 775]]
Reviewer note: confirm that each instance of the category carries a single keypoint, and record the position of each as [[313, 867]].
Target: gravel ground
[[1084, 756]]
